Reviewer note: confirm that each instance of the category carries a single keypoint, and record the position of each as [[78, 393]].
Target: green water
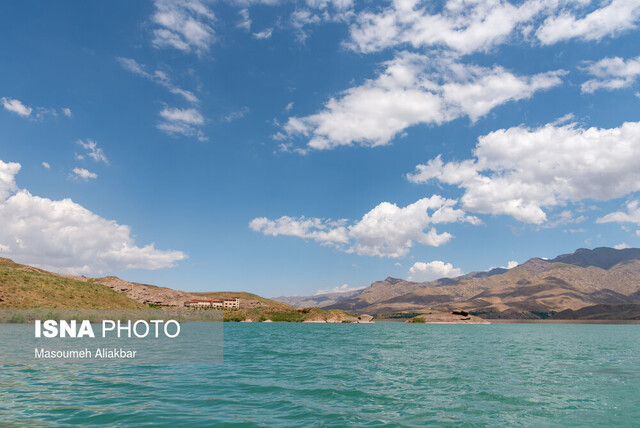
[[353, 375]]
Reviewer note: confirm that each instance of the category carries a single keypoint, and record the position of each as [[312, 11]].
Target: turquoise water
[[353, 375]]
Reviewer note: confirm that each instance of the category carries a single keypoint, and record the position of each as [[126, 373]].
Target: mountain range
[[599, 278]]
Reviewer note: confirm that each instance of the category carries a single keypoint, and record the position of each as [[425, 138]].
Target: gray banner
[[147, 337]]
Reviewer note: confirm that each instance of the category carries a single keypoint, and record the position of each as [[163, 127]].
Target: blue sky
[[285, 147]]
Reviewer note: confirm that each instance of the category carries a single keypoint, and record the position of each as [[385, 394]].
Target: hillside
[[26, 287], [537, 288], [629, 311], [247, 300]]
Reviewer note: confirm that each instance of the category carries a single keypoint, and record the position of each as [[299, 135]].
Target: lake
[[280, 374]]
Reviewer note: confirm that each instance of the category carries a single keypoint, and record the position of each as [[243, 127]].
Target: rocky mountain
[[627, 311], [602, 257], [390, 287], [537, 288], [319, 301]]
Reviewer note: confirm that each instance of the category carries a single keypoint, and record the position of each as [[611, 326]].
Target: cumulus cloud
[[632, 215], [512, 264], [622, 246], [182, 121], [83, 174], [46, 165], [422, 272], [385, 231], [8, 173], [614, 18], [520, 171], [64, 236], [190, 115], [67, 112], [413, 89], [339, 289], [467, 26], [186, 25], [612, 73], [93, 151], [16, 106], [157, 76], [464, 26]]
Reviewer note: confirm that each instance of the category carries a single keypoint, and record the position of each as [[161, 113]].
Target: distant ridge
[[602, 257], [538, 288]]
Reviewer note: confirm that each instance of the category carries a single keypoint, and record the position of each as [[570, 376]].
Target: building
[[230, 303]]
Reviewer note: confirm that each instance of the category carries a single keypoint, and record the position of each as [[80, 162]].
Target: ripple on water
[[346, 375]]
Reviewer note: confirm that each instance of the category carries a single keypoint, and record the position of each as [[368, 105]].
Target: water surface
[[353, 375]]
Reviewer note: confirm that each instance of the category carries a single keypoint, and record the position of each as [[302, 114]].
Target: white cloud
[[423, 272], [616, 17], [16, 107], [468, 26], [300, 19], [289, 106], [563, 218], [46, 165], [320, 11], [413, 89], [190, 115], [324, 231], [159, 77], [581, 230], [464, 26], [612, 73], [622, 246], [19, 108], [338, 289], [631, 216], [83, 174], [186, 25], [182, 121], [385, 231], [93, 151], [8, 173], [519, 171], [234, 115], [245, 20], [262, 35], [64, 236], [512, 264]]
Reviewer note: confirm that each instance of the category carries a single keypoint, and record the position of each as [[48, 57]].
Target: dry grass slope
[[25, 289]]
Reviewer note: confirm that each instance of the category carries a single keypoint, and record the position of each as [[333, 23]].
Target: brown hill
[[27, 287], [247, 300]]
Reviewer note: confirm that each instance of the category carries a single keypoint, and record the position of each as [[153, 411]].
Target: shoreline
[[525, 321], [549, 321]]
